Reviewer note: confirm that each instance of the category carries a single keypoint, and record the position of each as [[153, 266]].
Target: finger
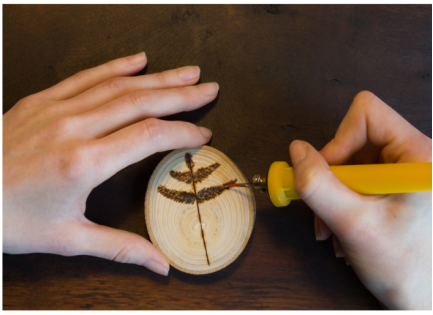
[[87, 79], [368, 154], [321, 190], [136, 142], [122, 246], [321, 229], [370, 119], [338, 249], [146, 104], [116, 87]]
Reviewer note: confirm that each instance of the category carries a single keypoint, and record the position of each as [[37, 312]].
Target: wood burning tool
[[366, 179]]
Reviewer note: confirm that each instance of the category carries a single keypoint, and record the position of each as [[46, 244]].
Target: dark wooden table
[[285, 72]]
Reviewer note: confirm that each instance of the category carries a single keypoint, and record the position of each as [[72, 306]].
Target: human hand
[[387, 238], [62, 142]]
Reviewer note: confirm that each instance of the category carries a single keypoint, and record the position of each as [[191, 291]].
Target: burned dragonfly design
[[191, 197]]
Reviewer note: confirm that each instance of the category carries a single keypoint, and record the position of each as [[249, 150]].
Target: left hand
[[61, 143]]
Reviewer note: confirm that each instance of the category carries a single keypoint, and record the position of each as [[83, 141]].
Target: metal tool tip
[[238, 185]]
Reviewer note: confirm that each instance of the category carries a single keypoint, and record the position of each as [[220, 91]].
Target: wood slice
[[199, 226]]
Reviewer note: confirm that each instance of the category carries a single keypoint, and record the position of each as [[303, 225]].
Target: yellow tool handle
[[367, 179]]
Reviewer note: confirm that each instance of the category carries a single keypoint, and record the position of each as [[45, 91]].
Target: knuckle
[[24, 104], [363, 98], [187, 94], [131, 250], [425, 150], [305, 185], [112, 65], [83, 76], [28, 102], [51, 111], [125, 253], [75, 164], [62, 126], [154, 130], [117, 86], [161, 79], [141, 99], [188, 97]]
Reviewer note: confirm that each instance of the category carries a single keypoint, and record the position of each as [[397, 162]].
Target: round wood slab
[[199, 226]]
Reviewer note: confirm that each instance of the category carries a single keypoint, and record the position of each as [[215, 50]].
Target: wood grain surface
[[285, 72], [199, 234]]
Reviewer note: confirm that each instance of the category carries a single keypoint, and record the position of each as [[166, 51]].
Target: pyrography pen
[[366, 179]]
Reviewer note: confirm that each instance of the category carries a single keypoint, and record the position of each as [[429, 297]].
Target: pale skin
[[62, 142], [387, 239]]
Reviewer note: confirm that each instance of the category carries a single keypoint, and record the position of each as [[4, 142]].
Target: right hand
[[386, 238]]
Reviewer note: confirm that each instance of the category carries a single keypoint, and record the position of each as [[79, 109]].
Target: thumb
[[118, 245], [321, 190]]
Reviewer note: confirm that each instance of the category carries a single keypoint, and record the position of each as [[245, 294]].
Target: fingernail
[[297, 151], [317, 230], [188, 73], [156, 267], [136, 59], [209, 88], [340, 253], [205, 132]]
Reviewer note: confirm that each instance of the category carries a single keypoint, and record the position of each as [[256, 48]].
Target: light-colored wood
[[227, 220]]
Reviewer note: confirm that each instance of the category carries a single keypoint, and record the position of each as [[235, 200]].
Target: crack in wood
[[190, 164], [189, 197]]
